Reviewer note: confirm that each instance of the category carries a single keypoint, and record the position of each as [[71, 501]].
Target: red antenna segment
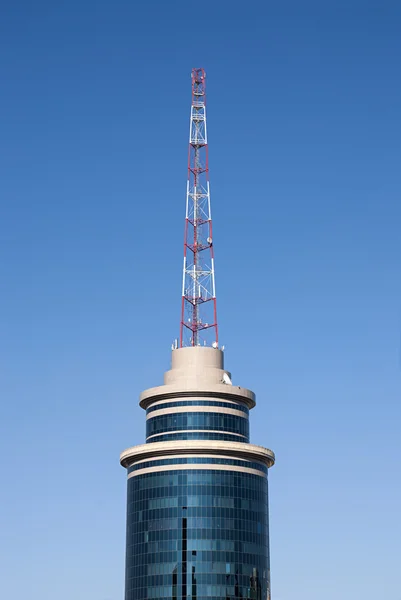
[[198, 313]]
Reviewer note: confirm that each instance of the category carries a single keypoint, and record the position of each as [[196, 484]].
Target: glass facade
[[198, 420], [196, 435], [158, 406], [201, 460], [198, 534], [197, 504]]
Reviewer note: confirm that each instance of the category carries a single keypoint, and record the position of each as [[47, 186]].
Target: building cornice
[[222, 391], [165, 449]]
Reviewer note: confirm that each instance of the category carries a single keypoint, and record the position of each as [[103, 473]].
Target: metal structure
[[198, 313]]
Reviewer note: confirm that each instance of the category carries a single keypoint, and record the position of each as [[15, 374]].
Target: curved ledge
[[164, 449], [216, 391]]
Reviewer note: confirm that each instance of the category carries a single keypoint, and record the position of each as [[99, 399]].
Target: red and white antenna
[[198, 314]]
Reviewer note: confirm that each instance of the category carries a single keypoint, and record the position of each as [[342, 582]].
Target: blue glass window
[[197, 435], [198, 460], [197, 533], [198, 420], [239, 407]]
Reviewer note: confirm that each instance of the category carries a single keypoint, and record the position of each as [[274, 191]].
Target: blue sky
[[304, 132]]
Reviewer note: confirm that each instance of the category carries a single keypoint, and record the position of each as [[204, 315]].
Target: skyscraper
[[197, 506]]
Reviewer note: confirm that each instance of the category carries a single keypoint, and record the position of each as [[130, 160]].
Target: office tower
[[197, 506]]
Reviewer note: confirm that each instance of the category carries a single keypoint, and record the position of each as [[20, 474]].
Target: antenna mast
[[198, 312]]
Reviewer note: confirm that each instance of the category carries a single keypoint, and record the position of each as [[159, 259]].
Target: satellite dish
[[226, 379], [215, 345]]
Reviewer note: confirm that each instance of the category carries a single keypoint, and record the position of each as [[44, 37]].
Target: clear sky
[[305, 145]]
